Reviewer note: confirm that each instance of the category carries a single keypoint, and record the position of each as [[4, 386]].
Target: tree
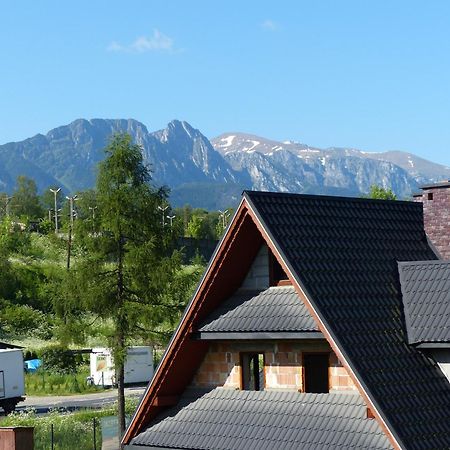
[[381, 193], [128, 270], [25, 200]]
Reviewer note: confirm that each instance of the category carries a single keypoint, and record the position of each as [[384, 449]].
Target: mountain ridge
[[211, 173]]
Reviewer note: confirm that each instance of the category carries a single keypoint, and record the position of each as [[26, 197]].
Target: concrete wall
[[258, 275], [282, 365]]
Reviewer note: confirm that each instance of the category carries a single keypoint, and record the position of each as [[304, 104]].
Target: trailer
[[138, 366], [12, 379]]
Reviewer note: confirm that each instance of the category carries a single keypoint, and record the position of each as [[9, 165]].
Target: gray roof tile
[[426, 299], [229, 419], [274, 309], [344, 255]]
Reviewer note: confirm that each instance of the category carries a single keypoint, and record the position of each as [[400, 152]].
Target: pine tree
[[129, 268]]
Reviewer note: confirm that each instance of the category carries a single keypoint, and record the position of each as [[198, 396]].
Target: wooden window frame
[[328, 370]]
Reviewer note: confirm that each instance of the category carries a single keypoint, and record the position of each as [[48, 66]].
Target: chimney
[[436, 215]]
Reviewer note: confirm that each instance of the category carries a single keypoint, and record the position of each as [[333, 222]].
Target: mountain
[[296, 167], [210, 174]]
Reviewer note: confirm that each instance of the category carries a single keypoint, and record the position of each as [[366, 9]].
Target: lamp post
[[224, 216], [55, 193], [171, 219], [163, 209], [69, 241]]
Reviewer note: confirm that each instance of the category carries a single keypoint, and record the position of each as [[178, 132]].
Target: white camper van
[[12, 379], [138, 366]]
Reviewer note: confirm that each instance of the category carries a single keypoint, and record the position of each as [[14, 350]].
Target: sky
[[372, 75]]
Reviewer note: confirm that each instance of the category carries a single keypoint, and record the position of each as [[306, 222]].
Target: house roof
[[343, 253], [275, 311], [426, 299], [263, 420], [341, 256]]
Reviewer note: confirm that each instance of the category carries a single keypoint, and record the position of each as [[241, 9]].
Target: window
[[277, 275], [430, 196], [252, 365], [315, 372]]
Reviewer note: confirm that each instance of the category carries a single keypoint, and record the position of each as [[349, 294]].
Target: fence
[[62, 431]]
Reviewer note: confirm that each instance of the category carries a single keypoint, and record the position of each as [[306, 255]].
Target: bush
[[60, 360]]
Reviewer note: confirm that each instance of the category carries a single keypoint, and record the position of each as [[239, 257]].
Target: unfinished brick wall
[[282, 365], [436, 214], [339, 378]]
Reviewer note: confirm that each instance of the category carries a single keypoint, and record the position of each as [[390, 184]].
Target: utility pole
[[163, 209], [55, 193], [69, 241]]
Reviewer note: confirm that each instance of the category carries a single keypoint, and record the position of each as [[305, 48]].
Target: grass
[[45, 383], [72, 431]]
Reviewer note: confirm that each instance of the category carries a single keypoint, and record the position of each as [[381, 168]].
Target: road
[[71, 402]]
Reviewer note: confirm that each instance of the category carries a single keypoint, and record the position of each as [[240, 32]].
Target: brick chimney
[[436, 215]]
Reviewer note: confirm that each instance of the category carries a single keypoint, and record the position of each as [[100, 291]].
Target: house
[[320, 322]]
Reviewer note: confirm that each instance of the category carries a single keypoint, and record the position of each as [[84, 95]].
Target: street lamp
[[69, 241], [163, 209], [224, 216], [71, 200], [171, 219], [55, 193]]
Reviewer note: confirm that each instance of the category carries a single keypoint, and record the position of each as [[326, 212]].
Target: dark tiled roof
[[274, 309], [344, 253], [426, 300], [229, 419]]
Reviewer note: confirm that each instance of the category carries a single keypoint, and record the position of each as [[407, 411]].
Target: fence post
[[95, 440], [52, 436]]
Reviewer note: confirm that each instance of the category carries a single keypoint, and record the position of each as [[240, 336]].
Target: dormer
[[426, 300]]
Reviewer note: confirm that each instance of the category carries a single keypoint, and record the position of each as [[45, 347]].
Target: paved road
[[96, 400]]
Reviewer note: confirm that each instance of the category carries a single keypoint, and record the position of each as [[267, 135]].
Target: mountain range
[[211, 174]]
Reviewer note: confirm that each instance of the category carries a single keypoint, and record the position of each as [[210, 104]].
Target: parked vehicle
[[138, 366], [12, 379]]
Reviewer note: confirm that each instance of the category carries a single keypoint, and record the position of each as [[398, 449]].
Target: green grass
[[72, 431], [45, 383]]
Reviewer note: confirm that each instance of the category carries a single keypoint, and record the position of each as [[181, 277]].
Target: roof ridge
[[333, 197]]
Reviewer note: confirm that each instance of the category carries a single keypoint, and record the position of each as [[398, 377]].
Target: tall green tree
[[129, 268], [25, 199]]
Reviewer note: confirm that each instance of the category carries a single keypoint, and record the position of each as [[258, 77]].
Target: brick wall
[[436, 212], [282, 365]]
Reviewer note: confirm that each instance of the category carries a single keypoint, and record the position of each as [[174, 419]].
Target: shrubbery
[[60, 360]]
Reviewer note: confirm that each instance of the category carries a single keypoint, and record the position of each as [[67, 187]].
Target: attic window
[[277, 275], [430, 196], [252, 365], [315, 372]]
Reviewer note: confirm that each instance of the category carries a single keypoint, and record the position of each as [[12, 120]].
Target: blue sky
[[373, 75]]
